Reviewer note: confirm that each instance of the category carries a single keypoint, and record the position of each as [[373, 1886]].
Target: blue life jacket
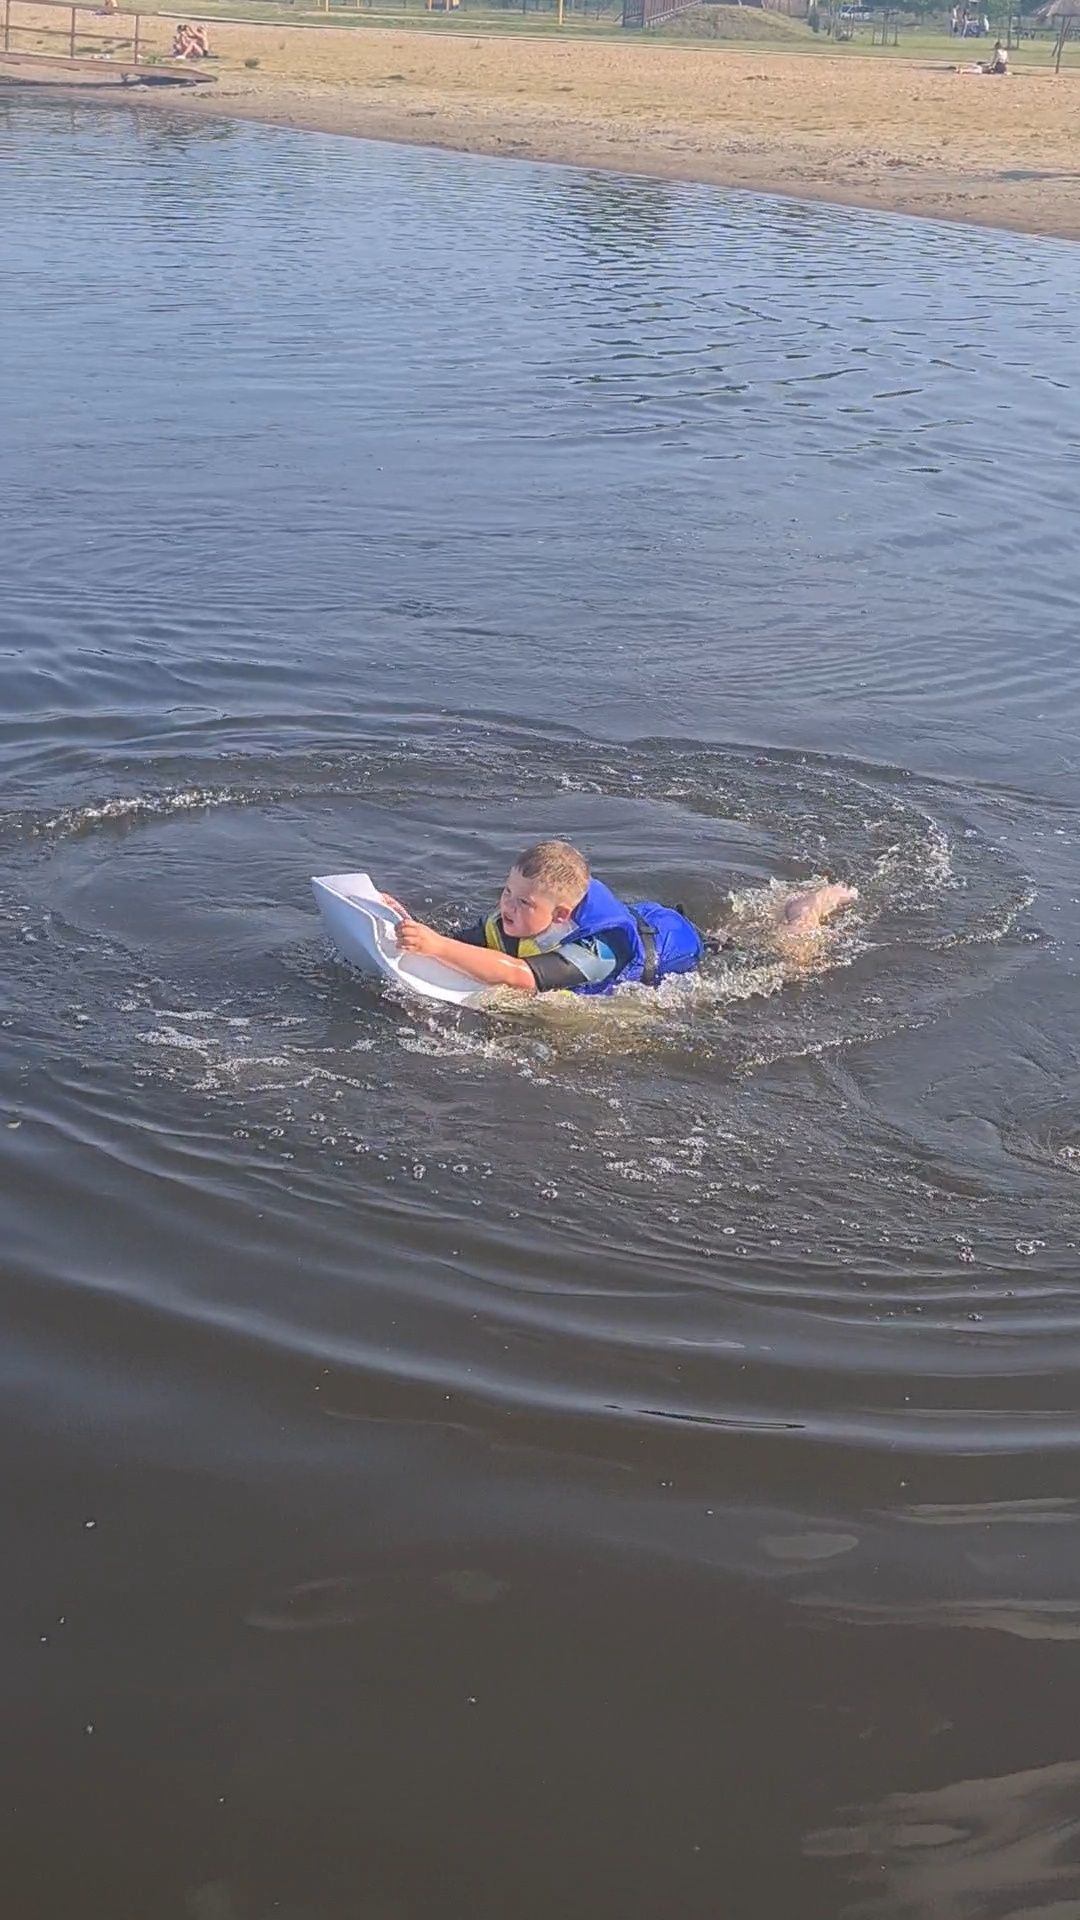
[[657, 940]]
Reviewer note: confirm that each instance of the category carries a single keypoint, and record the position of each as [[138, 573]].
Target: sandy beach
[[907, 136]]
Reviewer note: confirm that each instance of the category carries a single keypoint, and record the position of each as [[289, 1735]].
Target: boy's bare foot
[[803, 912]]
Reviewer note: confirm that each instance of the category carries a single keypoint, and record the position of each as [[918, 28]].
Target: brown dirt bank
[[891, 134]]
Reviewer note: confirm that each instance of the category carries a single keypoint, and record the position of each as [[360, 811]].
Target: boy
[[557, 928]]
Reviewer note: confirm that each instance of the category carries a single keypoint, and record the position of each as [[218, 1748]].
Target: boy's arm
[[485, 965]]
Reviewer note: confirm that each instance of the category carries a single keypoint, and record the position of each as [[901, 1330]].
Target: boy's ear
[[560, 914]]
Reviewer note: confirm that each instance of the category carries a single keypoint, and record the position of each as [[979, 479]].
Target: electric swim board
[[361, 927]]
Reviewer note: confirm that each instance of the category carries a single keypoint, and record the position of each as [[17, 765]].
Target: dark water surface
[[620, 1466]]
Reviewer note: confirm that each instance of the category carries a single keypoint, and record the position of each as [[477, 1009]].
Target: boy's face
[[525, 910]]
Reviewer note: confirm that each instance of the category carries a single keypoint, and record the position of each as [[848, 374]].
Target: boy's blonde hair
[[558, 869]]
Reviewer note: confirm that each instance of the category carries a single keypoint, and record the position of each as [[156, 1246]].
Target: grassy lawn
[[942, 47], [747, 28], [477, 20]]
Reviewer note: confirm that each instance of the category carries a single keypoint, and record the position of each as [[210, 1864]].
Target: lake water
[[520, 1466]]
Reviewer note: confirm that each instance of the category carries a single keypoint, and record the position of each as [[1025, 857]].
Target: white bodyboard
[[361, 927]]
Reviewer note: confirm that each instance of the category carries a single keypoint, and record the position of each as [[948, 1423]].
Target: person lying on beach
[[558, 929]]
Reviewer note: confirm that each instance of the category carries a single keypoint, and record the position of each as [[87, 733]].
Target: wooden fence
[[86, 39], [652, 13]]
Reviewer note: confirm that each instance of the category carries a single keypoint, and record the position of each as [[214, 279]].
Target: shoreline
[[907, 138], [931, 197]]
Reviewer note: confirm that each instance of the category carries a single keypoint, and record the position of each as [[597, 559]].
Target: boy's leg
[[805, 911], [781, 922]]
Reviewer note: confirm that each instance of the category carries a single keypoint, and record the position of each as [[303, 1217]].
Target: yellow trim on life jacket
[[493, 937]]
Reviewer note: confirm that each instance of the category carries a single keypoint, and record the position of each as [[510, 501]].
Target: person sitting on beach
[[999, 60], [190, 43], [558, 929]]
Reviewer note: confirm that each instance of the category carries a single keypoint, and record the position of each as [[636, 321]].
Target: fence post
[[135, 49], [73, 12]]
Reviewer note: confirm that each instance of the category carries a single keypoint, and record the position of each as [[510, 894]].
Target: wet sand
[[904, 136]]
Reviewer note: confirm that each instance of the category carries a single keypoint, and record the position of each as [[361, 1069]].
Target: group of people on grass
[[967, 23]]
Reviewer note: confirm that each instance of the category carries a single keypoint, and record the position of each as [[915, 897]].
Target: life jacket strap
[[648, 941], [522, 949]]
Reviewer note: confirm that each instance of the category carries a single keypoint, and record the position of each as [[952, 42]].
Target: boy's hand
[[414, 937], [482, 964], [395, 905]]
